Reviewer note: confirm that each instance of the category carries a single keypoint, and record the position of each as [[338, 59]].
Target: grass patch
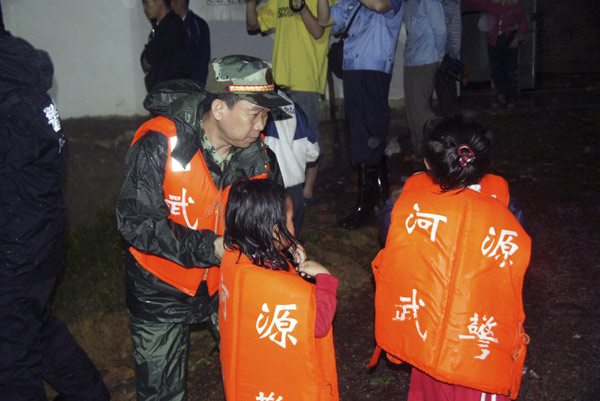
[[93, 277]]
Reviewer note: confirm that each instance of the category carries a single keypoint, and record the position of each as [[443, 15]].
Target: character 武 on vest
[[170, 209], [195, 202]]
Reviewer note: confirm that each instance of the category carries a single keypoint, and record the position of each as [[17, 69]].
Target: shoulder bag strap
[[344, 34]]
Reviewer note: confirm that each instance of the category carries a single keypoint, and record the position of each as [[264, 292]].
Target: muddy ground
[[548, 150]]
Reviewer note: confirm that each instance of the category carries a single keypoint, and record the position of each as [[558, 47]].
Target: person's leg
[[67, 367], [374, 112], [368, 115], [418, 86], [21, 313], [35, 345], [447, 96], [297, 195], [495, 60], [160, 355], [309, 103], [512, 75]]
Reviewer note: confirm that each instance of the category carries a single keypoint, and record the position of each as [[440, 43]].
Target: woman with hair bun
[[449, 280]]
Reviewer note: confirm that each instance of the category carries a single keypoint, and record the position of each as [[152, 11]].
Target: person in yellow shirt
[[299, 58]]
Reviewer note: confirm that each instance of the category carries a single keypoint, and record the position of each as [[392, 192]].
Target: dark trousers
[[35, 345], [504, 68], [367, 113], [447, 95]]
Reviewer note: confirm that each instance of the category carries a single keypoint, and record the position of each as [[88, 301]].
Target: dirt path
[[551, 158]]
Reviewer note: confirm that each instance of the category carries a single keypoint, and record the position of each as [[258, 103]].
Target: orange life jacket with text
[[195, 202], [449, 285], [267, 328]]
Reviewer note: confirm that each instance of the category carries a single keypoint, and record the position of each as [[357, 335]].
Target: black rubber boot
[[367, 198], [383, 184]]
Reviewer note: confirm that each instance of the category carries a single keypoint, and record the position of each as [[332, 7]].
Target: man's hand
[[516, 41], [219, 248]]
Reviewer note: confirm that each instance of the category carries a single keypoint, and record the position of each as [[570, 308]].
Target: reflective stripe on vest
[[194, 202], [449, 283], [268, 344]]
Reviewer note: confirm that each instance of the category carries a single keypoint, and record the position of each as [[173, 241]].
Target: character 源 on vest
[[34, 345], [276, 336], [171, 208], [449, 280]]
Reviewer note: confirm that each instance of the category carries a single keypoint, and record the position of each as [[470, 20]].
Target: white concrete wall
[[95, 46]]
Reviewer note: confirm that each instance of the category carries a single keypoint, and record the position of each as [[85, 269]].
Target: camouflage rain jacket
[[142, 214]]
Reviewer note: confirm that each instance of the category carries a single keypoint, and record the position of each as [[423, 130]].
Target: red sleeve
[[326, 300]]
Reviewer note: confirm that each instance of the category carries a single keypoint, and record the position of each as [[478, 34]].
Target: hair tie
[[467, 157]]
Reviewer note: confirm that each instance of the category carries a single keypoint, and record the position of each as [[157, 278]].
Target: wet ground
[[549, 151]]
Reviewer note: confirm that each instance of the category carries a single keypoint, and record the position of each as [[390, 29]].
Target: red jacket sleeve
[[326, 300]]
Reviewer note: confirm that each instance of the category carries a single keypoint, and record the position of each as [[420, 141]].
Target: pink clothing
[[425, 388], [509, 17], [325, 296]]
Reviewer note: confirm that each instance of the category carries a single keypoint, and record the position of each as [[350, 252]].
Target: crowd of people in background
[[213, 200]]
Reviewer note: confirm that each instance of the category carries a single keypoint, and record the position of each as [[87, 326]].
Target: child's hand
[[311, 268], [299, 254], [219, 247]]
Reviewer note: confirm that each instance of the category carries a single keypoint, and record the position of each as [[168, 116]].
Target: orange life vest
[[195, 202], [268, 344], [449, 282]]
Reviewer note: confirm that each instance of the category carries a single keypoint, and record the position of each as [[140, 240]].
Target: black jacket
[[165, 51], [142, 212], [32, 211]]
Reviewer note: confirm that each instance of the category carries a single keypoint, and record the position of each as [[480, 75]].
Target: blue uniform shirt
[[425, 32], [372, 39]]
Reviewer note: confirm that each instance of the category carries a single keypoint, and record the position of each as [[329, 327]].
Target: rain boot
[[383, 184], [366, 199]]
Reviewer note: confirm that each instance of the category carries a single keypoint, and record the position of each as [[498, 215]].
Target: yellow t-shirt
[[299, 61]]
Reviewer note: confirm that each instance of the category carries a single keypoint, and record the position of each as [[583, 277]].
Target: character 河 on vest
[[275, 324], [449, 280]]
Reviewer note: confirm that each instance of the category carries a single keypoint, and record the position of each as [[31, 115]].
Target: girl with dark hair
[[275, 314], [457, 154], [449, 280]]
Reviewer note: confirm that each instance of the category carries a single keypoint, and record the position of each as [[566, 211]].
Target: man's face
[[242, 124], [179, 6], [151, 8]]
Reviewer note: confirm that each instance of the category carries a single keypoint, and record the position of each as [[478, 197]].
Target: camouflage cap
[[248, 77]]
